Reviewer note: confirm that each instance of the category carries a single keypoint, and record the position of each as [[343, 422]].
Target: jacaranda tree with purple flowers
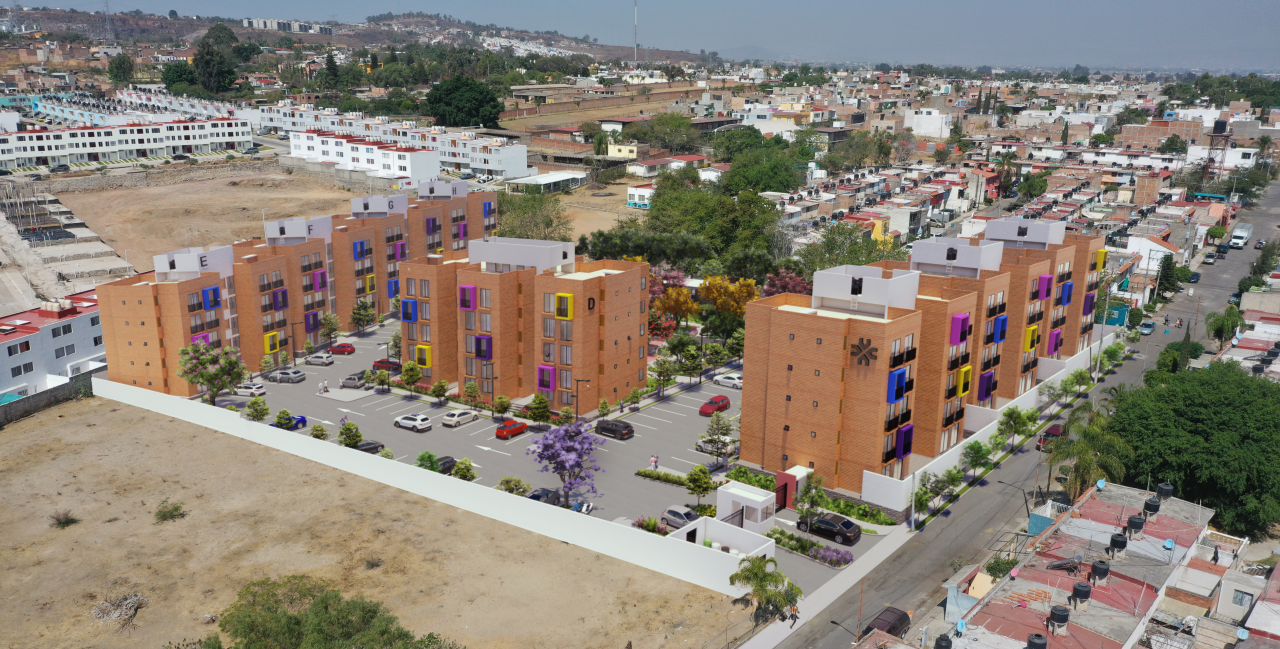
[[568, 451], [215, 369]]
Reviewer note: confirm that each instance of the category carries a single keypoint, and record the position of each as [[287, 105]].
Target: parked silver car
[[287, 376], [354, 381], [320, 359], [677, 516]]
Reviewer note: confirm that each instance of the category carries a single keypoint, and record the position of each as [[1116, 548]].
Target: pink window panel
[[959, 328], [467, 298], [1046, 286], [546, 377], [200, 338], [320, 280]]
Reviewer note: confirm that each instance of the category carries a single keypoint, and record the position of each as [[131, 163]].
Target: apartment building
[[458, 151], [113, 143], [266, 296], [46, 346], [522, 317], [156, 100], [353, 153]]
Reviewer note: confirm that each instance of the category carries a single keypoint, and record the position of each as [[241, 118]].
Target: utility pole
[[635, 32]]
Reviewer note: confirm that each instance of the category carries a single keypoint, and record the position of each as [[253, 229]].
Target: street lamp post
[[293, 343]]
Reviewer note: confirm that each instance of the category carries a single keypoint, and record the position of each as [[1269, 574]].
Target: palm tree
[[1007, 166], [1113, 394], [1094, 451], [1222, 326], [1264, 145], [768, 589]]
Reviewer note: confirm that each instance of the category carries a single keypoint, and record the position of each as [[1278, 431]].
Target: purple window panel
[[904, 438], [280, 298], [546, 377], [1046, 286], [1055, 340], [467, 298], [462, 230], [959, 328], [984, 385], [402, 250], [311, 321], [320, 280], [484, 347], [1088, 304], [433, 225], [200, 338]]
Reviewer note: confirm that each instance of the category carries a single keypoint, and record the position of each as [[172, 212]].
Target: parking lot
[[669, 428]]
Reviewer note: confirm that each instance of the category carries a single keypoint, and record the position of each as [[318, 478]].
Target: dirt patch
[[591, 213], [156, 220], [575, 117], [253, 512]]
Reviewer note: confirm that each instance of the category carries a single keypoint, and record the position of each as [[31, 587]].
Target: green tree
[[699, 483], [514, 485], [213, 369], [1222, 326], [1216, 232], [540, 409], [1093, 451], [809, 501], [329, 325], [847, 244], [942, 155], [719, 437], [319, 432], [463, 101], [410, 374], [428, 460], [178, 72], [1135, 317], [533, 216], [257, 409], [393, 346], [1173, 144], [663, 370], [120, 70], [284, 419], [736, 343], [349, 435], [214, 68], [244, 52], [995, 446], [501, 405], [975, 456], [716, 355], [603, 408], [382, 379], [362, 314], [1079, 379], [772, 595], [471, 393], [1168, 280], [1018, 422], [440, 390], [670, 131], [464, 470]]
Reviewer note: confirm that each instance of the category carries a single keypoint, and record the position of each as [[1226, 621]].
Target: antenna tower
[[106, 11]]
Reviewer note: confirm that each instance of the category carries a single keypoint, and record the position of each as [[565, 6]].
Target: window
[[566, 355], [548, 328], [64, 351], [470, 320], [424, 288], [471, 365], [484, 299], [410, 287], [548, 352], [484, 321], [19, 348], [97, 341], [566, 330], [61, 331], [1242, 599], [425, 330], [566, 379], [548, 302]]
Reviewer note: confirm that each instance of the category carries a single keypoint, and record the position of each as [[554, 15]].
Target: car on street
[[544, 495], [250, 389], [446, 463], [467, 176], [250, 151], [287, 376], [891, 621], [370, 446], [180, 156], [703, 446], [730, 380], [416, 422], [1051, 433], [295, 422], [1210, 259], [1220, 255], [1147, 328], [1234, 299], [354, 381], [343, 349], [615, 428], [719, 403], [833, 526], [283, 138], [59, 169], [677, 516], [458, 418], [387, 364], [511, 428], [320, 359], [1222, 250], [5, 172], [1195, 278], [1259, 244]]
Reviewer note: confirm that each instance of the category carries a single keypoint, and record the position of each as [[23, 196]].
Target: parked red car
[[386, 364], [344, 349], [509, 429], [713, 405], [1051, 433]]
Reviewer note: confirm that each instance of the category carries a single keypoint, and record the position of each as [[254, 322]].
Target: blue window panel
[[1001, 328], [212, 298], [897, 385], [1066, 292], [393, 287], [408, 310]]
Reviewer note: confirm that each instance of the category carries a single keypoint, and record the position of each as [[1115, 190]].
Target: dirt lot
[[591, 213], [539, 122], [157, 220], [253, 512]]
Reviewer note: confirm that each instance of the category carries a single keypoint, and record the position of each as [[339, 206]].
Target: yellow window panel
[[564, 306], [966, 373], [271, 342], [370, 283], [423, 356], [1029, 340]]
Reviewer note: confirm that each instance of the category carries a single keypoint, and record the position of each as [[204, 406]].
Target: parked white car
[[416, 422], [729, 380], [250, 390], [458, 418], [320, 359]]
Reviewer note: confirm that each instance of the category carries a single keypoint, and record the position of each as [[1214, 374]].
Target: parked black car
[[59, 169], [835, 527], [615, 428], [544, 495], [371, 447], [180, 156], [892, 621], [446, 464]]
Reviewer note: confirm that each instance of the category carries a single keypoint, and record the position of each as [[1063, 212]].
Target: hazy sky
[[1096, 33]]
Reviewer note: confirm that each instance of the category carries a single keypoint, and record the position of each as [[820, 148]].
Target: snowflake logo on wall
[[863, 351]]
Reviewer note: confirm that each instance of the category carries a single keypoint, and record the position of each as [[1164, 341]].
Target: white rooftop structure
[[1026, 233], [958, 257], [500, 254], [189, 263], [865, 289]]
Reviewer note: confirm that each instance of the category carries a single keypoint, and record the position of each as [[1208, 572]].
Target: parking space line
[[640, 414], [678, 414], [684, 405], [402, 410], [390, 405], [687, 461], [642, 425]]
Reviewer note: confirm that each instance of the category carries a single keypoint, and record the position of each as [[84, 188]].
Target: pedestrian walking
[[653, 462]]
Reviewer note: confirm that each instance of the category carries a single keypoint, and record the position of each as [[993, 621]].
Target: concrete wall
[[887, 492], [686, 561], [172, 175], [78, 386]]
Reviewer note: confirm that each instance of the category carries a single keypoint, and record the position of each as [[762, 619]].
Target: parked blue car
[[298, 422]]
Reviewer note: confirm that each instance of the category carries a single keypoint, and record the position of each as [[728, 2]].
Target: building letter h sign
[[863, 351]]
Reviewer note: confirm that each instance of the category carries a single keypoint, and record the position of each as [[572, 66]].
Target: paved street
[[911, 579]]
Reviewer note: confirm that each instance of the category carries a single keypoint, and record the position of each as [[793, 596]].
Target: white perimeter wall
[[896, 494], [686, 561]]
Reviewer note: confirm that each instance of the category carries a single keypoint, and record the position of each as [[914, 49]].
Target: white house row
[[112, 143]]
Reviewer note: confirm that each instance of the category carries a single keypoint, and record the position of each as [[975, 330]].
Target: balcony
[[395, 237], [989, 338], [953, 364], [986, 365], [318, 304], [1002, 307], [1086, 329], [306, 268], [1058, 322], [1093, 286], [1035, 295], [890, 424], [277, 284], [268, 307], [263, 288], [948, 420], [910, 385], [904, 417], [1064, 277], [195, 329], [195, 306], [896, 360], [361, 272], [964, 358], [1031, 319], [910, 354], [392, 274], [959, 414], [1093, 265], [992, 311], [995, 360], [1057, 301], [889, 456], [211, 324], [360, 288], [951, 392], [994, 385], [1039, 316], [391, 255]]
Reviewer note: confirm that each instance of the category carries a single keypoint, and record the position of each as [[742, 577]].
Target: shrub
[[704, 509], [651, 525], [831, 556], [257, 409], [464, 470], [168, 511], [63, 519], [998, 567], [745, 476], [663, 476], [387, 453], [372, 562], [513, 485], [318, 431], [789, 541]]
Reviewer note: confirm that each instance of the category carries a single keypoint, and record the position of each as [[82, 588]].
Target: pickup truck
[[298, 422]]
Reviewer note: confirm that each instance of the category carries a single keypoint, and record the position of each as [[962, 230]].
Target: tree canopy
[[462, 101], [1214, 434]]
